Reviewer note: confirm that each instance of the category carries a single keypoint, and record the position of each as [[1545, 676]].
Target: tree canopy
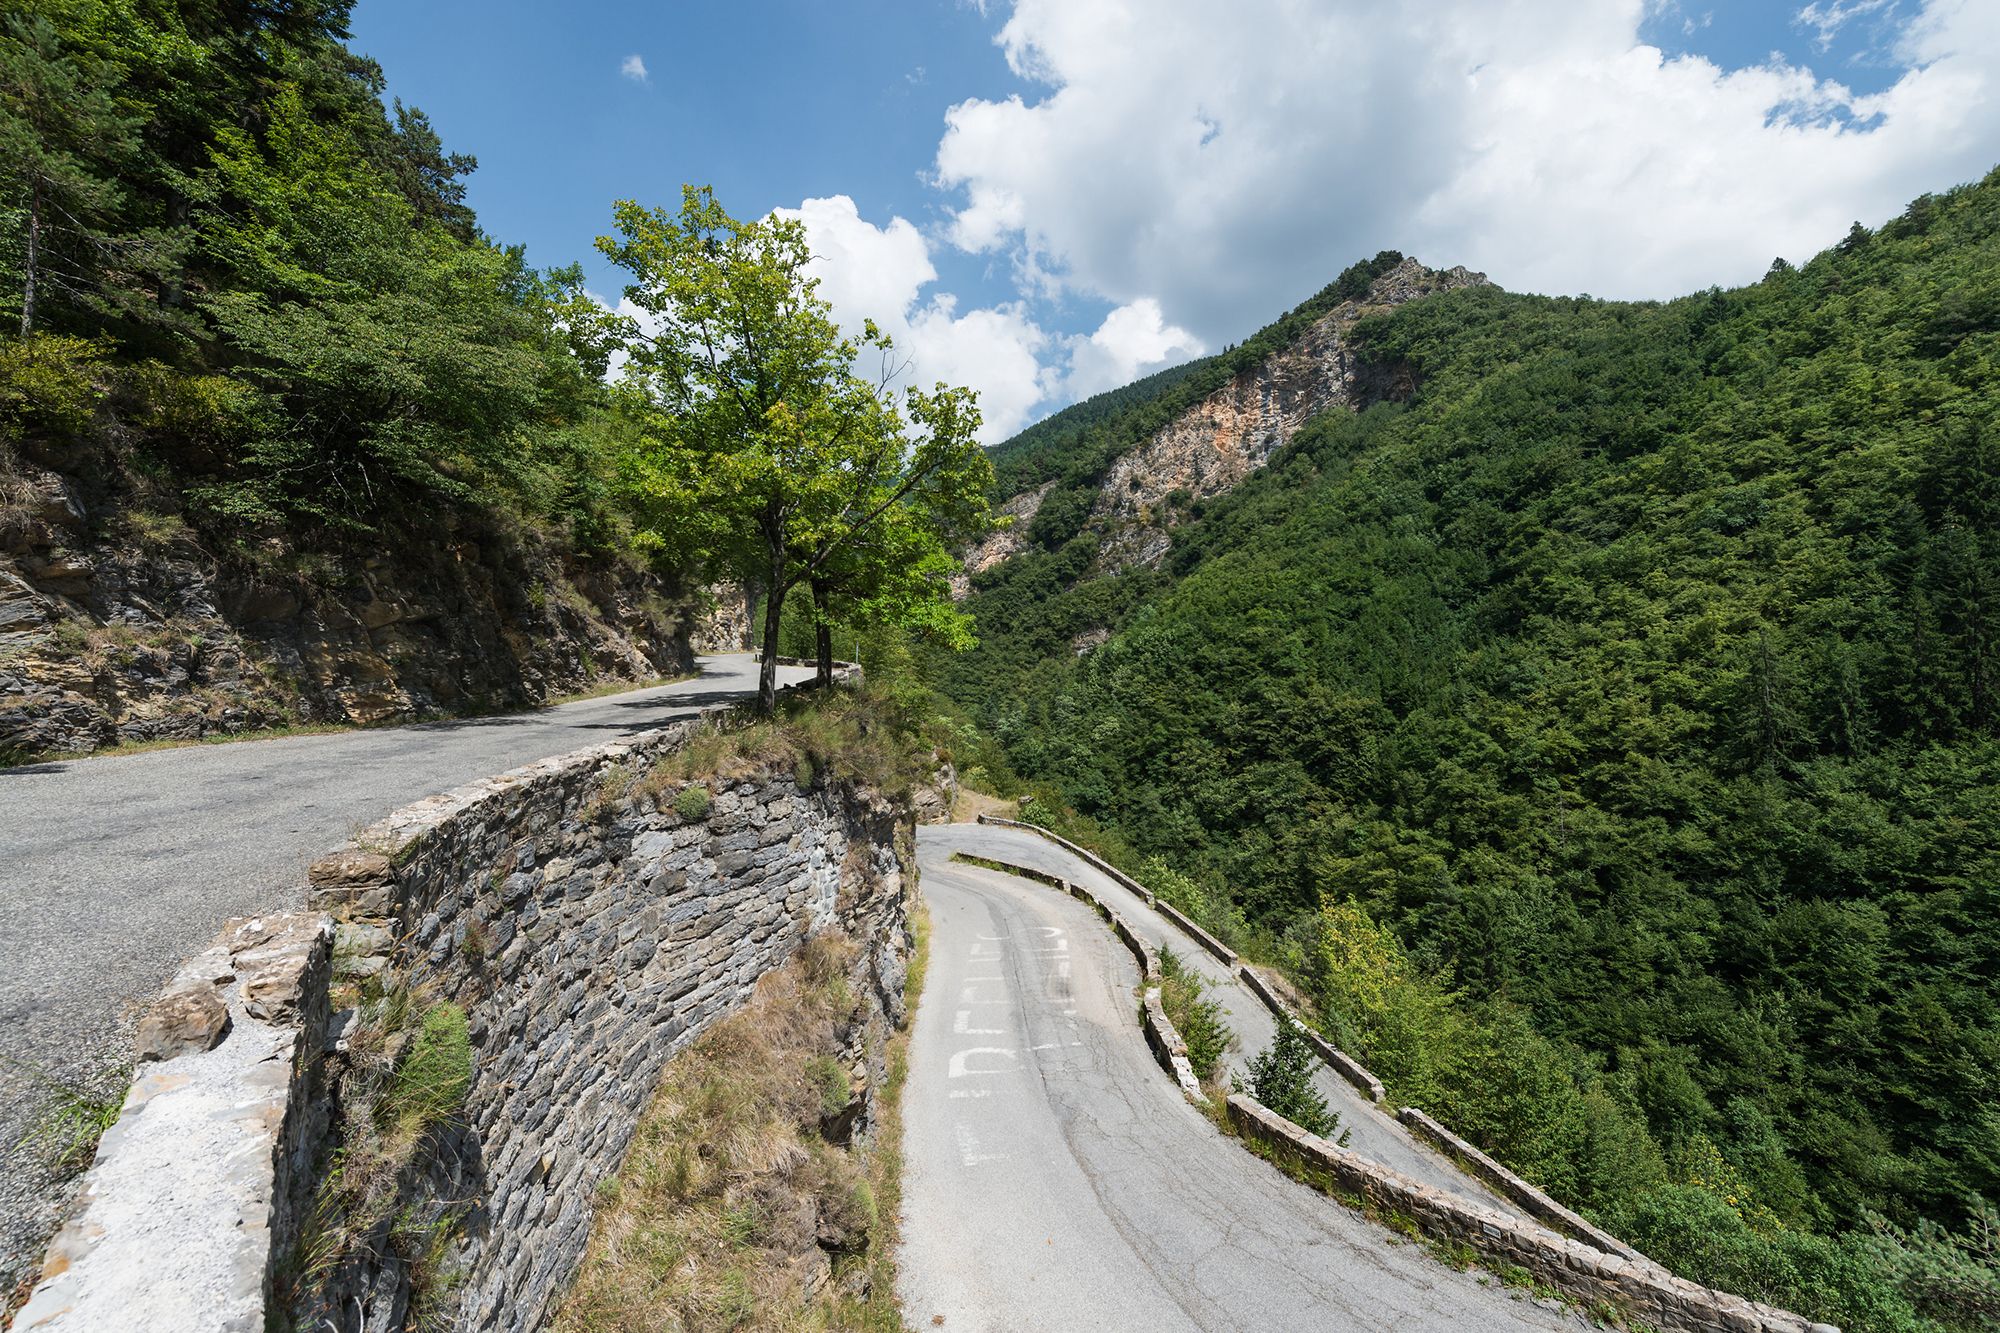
[[768, 454]]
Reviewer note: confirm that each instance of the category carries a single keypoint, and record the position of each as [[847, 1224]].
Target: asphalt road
[[1055, 1178], [112, 870]]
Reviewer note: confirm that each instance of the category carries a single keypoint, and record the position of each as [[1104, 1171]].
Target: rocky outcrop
[[724, 624], [1002, 543], [120, 622], [1215, 444]]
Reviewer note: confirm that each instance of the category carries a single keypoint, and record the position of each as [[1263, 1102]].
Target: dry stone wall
[[587, 920]]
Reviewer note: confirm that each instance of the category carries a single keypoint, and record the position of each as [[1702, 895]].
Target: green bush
[[1197, 1018], [49, 382], [692, 803], [1281, 1078]]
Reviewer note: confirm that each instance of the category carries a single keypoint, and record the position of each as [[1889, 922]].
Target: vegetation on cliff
[[1607, 737], [213, 220]]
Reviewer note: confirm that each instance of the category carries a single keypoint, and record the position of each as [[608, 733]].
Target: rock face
[[119, 622], [1008, 541], [1234, 431], [1216, 443], [724, 627]]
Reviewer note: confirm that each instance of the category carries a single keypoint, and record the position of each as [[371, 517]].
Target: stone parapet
[[1581, 1272]]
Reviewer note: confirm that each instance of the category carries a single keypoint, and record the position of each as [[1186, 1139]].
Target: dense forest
[[210, 220], [1606, 738]]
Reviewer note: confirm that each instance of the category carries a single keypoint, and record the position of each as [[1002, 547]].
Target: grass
[[865, 735], [65, 1132], [391, 1109], [1197, 1018], [732, 1211]]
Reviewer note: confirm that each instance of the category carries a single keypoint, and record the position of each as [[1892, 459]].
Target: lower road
[[1056, 1179], [114, 869]]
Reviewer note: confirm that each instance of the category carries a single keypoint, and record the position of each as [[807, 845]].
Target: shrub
[[49, 382], [1198, 1019], [1281, 1078], [692, 803]]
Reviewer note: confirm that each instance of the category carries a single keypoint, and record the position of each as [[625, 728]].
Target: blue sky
[[1053, 196]]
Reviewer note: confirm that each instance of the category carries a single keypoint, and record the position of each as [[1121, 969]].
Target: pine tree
[[1281, 1078]]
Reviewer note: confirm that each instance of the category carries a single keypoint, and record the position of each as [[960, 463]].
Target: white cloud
[[1133, 341], [879, 273], [1825, 18], [633, 67], [1223, 162]]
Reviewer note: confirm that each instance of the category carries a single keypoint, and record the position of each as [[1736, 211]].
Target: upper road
[[1055, 1178], [113, 869]]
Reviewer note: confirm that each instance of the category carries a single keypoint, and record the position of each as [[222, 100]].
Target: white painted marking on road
[[961, 1026], [961, 1061], [963, 1094], [968, 1147]]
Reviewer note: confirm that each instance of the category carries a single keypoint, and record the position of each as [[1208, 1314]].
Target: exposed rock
[[1005, 543], [190, 1019], [119, 622], [1216, 443], [725, 627]]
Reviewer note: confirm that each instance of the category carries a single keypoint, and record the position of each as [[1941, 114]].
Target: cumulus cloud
[[1223, 162], [633, 67], [880, 273], [1133, 341]]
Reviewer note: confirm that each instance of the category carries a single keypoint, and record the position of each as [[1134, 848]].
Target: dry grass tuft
[[857, 735], [734, 1211]]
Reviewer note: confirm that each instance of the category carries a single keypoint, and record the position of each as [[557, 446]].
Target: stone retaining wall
[[588, 931], [1579, 1271], [1537, 1204]]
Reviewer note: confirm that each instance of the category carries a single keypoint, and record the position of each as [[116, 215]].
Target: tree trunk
[[34, 257], [824, 631], [774, 605]]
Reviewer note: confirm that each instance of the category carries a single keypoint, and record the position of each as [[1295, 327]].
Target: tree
[[59, 132], [1281, 1078], [767, 452]]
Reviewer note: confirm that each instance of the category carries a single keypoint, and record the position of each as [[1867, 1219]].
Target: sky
[[1043, 199]]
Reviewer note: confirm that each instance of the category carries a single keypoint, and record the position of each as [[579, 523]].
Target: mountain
[[1593, 706]]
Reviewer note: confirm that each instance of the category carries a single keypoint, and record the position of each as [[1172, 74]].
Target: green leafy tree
[[767, 452], [1281, 1078], [62, 137]]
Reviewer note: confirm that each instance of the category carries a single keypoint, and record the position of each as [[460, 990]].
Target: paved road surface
[[1371, 1132], [112, 870], [1056, 1179]]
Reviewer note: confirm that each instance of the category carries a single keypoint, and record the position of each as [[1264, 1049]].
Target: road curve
[[113, 869], [1056, 1179]]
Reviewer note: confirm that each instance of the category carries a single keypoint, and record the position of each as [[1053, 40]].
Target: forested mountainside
[[1600, 721], [283, 435]]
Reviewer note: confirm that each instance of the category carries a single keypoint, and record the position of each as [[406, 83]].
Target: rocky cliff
[[1214, 443], [120, 621]]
